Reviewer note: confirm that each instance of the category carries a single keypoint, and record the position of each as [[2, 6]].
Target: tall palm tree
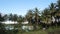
[[53, 13], [52, 9], [36, 14], [58, 8], [20, 18], [1, 18], [36, 18], [29, 16], [11, 17], [5, 17], [58, 4], [46, 15], [2, 27], [15, 16]]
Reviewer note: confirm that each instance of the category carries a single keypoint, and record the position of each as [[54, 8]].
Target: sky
[[20, 7]]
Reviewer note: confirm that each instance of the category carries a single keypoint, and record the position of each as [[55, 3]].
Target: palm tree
[[15, 17], [11, 17], [20, 19], [58, 4], [45, 15], [1, 18], [5, 17], [53, 12], [2, 27], [36, 18], [29, 16], [52, 9], [36, 14], [58, 12], [58, 8]]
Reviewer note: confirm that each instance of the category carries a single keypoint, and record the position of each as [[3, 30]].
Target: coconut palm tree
[[58, 11], [52, 9], [5, 17], [46, 15], [53, 12], [29, 16], [36, 18], [11, 17], [58, 4], [36, 14], [15, 16], [58, 8], [1, 18]]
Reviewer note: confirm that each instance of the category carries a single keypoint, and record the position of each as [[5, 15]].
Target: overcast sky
[[21, 7]]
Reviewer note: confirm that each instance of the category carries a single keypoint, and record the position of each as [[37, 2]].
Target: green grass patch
[[47, 31]]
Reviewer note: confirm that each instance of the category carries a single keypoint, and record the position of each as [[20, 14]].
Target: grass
[[47, 31], [35, 32]]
